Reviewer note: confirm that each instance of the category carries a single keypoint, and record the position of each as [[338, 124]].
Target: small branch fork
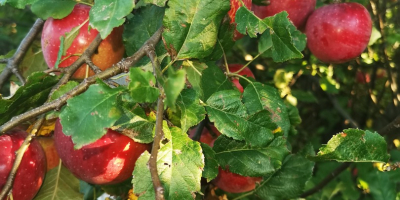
[[13, 62], [122, 66]]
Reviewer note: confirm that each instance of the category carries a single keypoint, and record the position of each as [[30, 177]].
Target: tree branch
[[122, 66], [13, 62], [158, 188]]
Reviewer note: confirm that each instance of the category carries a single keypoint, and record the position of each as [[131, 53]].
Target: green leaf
[[59, 185], [173, 86], [179, 165], [246, 21], [160, 3], [135, 122], [278, 41], [247, 160], [142, 86], [139, 28], [214, 80], [289, 181], [294, 116], [63, 89], [87, 116], [105, 15], [329, 85], [20, 4], [33, 94], [211, 165], [225, 40], [194, 71], [142, 184], [230, 116], [56, 9], [33, 61], [191, 111], [69, 38], [257, 97], [191, 27], [354, 145]]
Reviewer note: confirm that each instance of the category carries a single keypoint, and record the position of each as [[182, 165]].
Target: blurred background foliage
[[363, 93]]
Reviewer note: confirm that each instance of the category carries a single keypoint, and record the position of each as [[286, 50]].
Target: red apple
[[235, 183], [235, 5], [32, 169], [338, 32], [206, 137], [110, 51], [49, 148], [246, 72], [109, 160], [298, 10]]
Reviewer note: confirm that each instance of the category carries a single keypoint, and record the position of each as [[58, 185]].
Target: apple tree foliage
[[262, 132]]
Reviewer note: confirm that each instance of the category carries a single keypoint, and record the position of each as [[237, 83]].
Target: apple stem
[[247, 64], [158, 188], [15, 60], [225, 60]]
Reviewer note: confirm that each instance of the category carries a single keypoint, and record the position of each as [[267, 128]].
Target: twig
[[158, 188], [13, 62], [395, 124], [326, 180], [122, 66], [342, 112]]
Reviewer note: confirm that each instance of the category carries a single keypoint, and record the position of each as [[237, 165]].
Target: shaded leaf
[[258, 97], [191, 111], [88, 115], [56, 9], [135, 122], [354, 145], [173, 86], [61, 185], [230, 116], [246, 160], [33, 94], [289, 181], [160, 3], [213, 80], [211, 165], [191, 27], [142, 86], [18, 3]]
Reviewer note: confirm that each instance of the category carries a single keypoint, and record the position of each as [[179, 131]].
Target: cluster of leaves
[[255, 125]]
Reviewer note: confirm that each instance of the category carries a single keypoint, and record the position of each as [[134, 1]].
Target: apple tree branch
[[15, 60]]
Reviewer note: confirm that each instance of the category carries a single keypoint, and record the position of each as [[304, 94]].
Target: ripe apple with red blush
[[338, 32], [109, 160], [245, 72], [31, 171], [235, 5], [298, 10], [235, 183], [110, 51]]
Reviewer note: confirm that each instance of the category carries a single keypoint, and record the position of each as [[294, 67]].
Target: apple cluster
[[336, 33]]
